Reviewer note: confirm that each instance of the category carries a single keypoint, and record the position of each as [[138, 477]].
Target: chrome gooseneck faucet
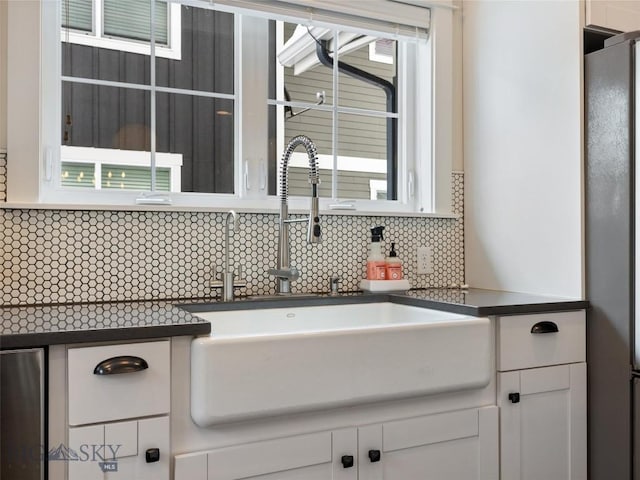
[[284, 272], [231, 223]]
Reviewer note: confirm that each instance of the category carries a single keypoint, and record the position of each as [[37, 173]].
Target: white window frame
[[96, 37], [33, 97]]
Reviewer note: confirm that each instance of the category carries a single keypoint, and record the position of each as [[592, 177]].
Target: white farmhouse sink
[[266, 362]]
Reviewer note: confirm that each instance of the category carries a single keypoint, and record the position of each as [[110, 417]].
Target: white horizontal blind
[[78, 175], [127, 177], [384, 16], [77, 14], [132, 19]]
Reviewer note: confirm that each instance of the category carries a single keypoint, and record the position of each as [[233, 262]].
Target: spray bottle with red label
[[376, 264]]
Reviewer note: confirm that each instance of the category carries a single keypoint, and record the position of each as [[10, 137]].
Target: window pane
[[306, 79], [126, 177], [316, 124], [362, 157], [132, 19], [201, 130], [78, 175], [207, 55], [77, 14], [368, 75], [89, 61], [105, 117]]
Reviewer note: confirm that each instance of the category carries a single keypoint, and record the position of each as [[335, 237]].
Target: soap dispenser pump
[[394, 265], [376, 265]]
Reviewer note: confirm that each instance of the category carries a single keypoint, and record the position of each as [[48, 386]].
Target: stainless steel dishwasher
[[22, 445]]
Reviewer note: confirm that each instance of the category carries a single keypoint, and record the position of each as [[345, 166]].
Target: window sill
[[182, 208]]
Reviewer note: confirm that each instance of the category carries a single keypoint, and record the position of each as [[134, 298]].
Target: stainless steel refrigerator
[[22, 444], [612, 241]]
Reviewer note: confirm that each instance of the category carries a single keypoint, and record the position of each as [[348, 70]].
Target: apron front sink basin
[[265, 362]]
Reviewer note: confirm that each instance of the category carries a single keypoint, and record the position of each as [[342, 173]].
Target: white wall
[[3, 75], [458, 154], [522, 92]]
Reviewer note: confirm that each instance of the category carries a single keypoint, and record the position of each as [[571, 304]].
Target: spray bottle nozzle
[[376, 234]]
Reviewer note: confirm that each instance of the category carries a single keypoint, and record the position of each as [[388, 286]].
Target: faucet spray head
[[314, 231]]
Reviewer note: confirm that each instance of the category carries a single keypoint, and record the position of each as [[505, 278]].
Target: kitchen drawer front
[[102, 398], [518, 347]]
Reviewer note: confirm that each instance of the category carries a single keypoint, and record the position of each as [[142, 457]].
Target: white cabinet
[[461, 445], [119, 450], [111, 396], [109, 388], [621, 15], [542, 408], [303, 457], [543, 423]]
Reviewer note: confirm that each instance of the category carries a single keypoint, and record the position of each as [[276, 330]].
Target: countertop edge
[[41, 339], [394, 297], [527, 309], [492, 310]]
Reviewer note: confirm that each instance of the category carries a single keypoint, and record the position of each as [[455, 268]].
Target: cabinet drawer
[[518, 347], [97, 398]]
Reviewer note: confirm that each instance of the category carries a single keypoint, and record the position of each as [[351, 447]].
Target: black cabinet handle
[[374, 456], [347, 461], [514, 397], [544, 327], [122, 364], [152, 455]]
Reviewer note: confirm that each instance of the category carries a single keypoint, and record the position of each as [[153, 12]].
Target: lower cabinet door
[[84, 453], [132, 450], [460, 445], [543, 423], [150, 460], [302, 457]]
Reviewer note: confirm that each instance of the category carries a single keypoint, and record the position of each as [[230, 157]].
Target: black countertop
[[96, 322], [483, 303], [48, 325]]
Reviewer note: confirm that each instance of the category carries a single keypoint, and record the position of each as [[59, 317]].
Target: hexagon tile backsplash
[[71, 256], [3, 176]]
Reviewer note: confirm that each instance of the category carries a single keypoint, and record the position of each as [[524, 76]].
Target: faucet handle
[[335, 281], [238, 271], [290, 274]]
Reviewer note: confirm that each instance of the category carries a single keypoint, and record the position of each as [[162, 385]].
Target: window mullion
[[254, 72], [98, 175], [98, 9], [152, 70], [334, 123], [280, 113]]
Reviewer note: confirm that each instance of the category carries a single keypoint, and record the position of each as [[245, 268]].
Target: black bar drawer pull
[[544, 327], [122, 364]]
